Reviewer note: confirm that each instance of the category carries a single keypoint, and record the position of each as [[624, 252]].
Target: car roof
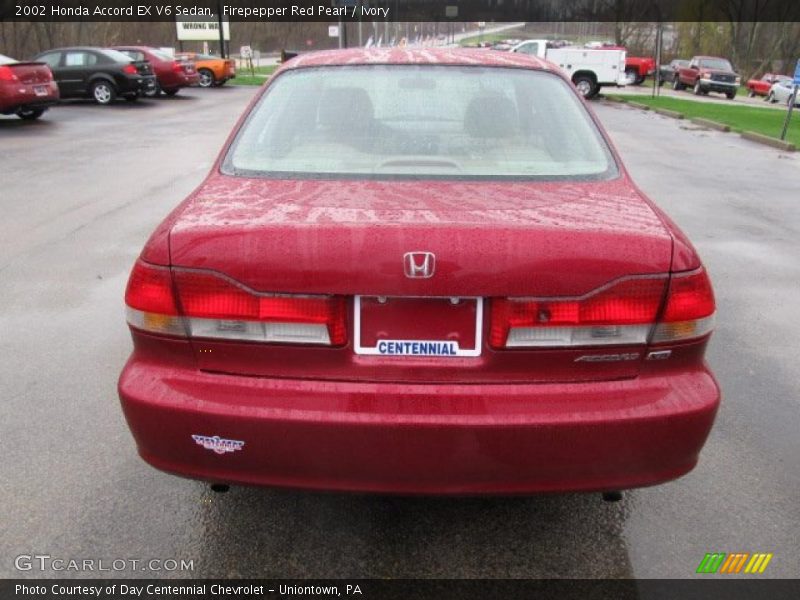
[[73, 48], [417, 56]]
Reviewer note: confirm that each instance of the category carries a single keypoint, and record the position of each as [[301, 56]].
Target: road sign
[[333, 31], [200, 31]]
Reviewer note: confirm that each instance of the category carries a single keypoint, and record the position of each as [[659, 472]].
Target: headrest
[[345, 107], [491, 115]]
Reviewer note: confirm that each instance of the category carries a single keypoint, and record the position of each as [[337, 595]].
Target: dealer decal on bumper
[[217, 444]]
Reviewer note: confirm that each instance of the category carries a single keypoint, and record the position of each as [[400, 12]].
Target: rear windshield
[[420, 121], [117, 56]]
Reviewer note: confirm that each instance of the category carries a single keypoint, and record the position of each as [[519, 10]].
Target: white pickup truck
[[589, 68]]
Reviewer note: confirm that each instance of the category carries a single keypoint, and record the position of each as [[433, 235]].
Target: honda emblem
[[419, 265]]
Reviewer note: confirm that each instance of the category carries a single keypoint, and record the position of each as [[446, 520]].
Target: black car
[[98, 73], [666, 73]]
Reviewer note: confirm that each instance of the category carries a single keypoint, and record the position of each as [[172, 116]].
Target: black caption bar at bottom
[[405, 589]]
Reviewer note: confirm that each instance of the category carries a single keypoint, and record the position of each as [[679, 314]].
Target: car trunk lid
[[488, 240], [31, 72]]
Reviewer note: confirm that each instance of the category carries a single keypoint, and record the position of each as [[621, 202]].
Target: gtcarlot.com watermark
[[48, 563]]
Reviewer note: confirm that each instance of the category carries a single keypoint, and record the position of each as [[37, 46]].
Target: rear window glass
[[117, 56], [419, 121]]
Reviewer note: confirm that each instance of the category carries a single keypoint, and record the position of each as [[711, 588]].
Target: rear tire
[[103, 92], [632, 76], [586, 86], [771, 98], [154, 93], [751, 94], [30, 114], [677, 85], [730, 95], [206, 78], [697, 89]]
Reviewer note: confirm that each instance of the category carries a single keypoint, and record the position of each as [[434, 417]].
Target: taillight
[[7, 74], [626, 312], [177, 67], [689, 311], [151, 302], [622, 313], [212, 306], [130, 69]]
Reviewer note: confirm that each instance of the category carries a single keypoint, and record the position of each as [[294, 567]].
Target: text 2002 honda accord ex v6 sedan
[[419, 271]]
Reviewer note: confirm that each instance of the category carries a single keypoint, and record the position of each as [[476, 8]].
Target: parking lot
[[82, 189]]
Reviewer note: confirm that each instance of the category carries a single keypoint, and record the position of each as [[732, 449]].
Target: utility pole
[[659, 43], [221, 30]]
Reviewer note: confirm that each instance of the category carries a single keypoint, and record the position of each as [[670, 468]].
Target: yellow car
[[213, 70]]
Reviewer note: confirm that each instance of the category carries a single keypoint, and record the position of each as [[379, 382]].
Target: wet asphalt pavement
[[80, 192]]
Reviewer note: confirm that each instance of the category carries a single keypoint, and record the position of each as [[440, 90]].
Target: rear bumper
[[420, 439], [14, 97], [174, 80], [138, 84]]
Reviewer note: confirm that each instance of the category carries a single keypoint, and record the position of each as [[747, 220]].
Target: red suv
[[420, 271], [171, 73]]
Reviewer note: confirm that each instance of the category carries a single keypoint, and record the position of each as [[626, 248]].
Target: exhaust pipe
[[612, 496], [220, 488]]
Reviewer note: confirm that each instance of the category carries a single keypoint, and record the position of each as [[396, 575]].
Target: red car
[[26, 89], [761, 87], [419, 271], [171, 73]]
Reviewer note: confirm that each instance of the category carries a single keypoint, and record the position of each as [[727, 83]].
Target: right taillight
[[623, 313], [201, 304], [130, 69], [689, 310]]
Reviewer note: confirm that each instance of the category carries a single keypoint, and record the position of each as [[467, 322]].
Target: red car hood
[[349, 237]]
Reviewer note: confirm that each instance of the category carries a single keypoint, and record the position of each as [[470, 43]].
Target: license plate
[[40, 90], [418, 327]]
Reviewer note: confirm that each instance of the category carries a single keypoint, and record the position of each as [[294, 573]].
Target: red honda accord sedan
[[425, 272]]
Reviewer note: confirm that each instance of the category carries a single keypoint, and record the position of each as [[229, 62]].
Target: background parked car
[[99, 73], [213, 70], [761, 87], [637, 68], [781, 91], [667, 73], [706, 74], [171, 73], [26, 89]]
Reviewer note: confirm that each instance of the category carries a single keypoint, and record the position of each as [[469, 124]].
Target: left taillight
[[208, 305], [7, 74], [130, 69], [150, 300]]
